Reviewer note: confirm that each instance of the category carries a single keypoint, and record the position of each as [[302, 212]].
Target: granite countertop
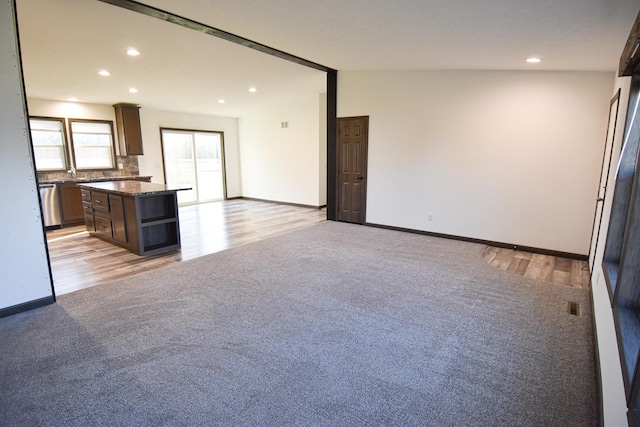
[[132, 188], [102, 179]]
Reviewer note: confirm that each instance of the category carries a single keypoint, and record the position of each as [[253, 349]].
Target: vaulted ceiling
[[66, 42]]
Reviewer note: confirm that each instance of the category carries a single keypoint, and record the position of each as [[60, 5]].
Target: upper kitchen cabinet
[[128, 127]]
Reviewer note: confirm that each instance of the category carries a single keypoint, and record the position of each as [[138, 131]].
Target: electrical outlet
[[430, 217]]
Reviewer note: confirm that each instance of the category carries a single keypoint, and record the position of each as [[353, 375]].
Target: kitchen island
[[139, 216]]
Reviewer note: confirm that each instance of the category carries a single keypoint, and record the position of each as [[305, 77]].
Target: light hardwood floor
[[79, 261], [561, 271]]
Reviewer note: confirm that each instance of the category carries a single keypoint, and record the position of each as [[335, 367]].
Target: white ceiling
[[428, 34], [65, 42]]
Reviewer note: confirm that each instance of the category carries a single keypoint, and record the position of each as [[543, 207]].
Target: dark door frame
[[222, 159]]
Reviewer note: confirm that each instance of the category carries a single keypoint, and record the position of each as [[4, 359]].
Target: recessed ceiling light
[[133, 52], [221, 101], [253, 89], [104, 73], [133, 90], [72, 99], [534, 60]]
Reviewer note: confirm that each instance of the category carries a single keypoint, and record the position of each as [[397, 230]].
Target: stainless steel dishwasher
[[50, 205]]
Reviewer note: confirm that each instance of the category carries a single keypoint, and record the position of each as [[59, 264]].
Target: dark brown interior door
[[352, 168]]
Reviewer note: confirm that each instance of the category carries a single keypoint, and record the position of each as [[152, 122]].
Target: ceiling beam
[[206, 29]]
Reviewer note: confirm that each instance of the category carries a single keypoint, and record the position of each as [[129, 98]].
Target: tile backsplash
[[129, 168]]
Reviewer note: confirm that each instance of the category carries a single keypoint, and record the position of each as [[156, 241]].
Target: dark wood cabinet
[[118, 223], [87, 208], [100, 202], [128, 129], [97, 213], [103, 226], [146, 223], [70, 204]]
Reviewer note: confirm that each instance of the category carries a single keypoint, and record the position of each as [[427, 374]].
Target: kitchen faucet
[[72, 171]]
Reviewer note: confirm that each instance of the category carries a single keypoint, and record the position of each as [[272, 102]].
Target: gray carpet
[[335, 324]]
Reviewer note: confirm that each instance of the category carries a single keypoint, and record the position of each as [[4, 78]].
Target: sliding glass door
[[194, 159]]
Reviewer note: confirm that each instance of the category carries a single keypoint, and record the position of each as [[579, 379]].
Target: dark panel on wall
[[332, 138]]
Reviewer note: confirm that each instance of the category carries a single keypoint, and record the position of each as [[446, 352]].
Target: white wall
[[613, 396], [151, 162], [283, 164], [512, 157], [24, 263], [150, 121]]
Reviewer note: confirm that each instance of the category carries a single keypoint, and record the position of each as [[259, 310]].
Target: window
[[92, 144], [621, 253], [49, 143]]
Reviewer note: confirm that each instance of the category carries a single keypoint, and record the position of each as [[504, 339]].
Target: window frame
[[65, 143], [72, 147]]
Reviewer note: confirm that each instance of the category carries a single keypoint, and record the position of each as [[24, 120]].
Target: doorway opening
[[194, 159], [331, 89]]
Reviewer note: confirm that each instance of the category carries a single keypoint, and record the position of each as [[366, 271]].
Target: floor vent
[[573, 308]]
